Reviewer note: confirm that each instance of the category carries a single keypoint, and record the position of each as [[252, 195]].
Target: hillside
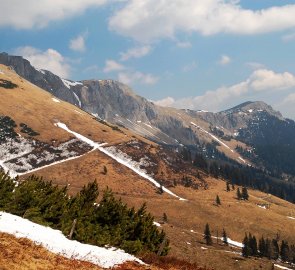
[[248, 134], [54, 139]]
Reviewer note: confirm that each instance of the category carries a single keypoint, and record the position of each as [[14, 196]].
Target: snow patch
[[78, 112], [204, 248], [243, 160], [56, 242], [120, 157], [262, 206], [56, 100], [282, 267], [68, 84], [157, 224], [214, 137], [78, 99], [1, 71], [291, 218], [234, 243]]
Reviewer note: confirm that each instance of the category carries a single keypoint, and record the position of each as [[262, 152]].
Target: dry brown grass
[[22, 254], [237, 217], [30, 104]]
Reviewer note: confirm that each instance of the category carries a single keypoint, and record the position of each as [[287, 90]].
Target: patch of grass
[[7, 84], [26, 129]]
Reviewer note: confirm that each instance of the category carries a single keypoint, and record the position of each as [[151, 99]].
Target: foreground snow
[[56, 242], [282, 267], [119, 157]]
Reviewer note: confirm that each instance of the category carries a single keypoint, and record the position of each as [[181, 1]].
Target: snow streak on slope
[[282, 267], [68, 84], [120, 157], [56, 242], [56, 100], [78, 99], [216, 139]]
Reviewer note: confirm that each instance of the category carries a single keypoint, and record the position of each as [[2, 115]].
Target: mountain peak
[[252, 106]]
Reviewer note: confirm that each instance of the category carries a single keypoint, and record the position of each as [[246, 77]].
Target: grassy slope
[[23, 254], [237, 217], [35, 107]]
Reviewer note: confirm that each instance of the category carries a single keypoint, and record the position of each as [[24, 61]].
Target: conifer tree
[[285, 252], [276, 249], [161, 191], [207, 235], [165, 218], [239, 195], [217, 200], [227, 186], [253, 246], [262, 247], [245, 195], [246, 248], [224, 237]]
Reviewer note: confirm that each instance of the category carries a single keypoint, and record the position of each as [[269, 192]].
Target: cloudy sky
[[197, 54]]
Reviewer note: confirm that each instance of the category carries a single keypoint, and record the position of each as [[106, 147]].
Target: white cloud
[[136, 52], [91, 69], [287, 106], [264, 79], [163, 19], [184, 44], [166, 102], [112, 65], [224, 60], [50, 60], [78, 43], [137, 77], [37, 14], [255, 65], [259, 84], [288, 37], [189, 67]]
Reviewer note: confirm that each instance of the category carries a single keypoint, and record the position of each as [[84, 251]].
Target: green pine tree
[[245, 195], [217, 200], [239, 195], [224, 237], [227, 186], [207, 235], [246, 251]]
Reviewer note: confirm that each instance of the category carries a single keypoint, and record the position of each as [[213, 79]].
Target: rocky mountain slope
[[247, 134], [37, 126]]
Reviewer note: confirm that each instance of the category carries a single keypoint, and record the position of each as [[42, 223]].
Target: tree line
[[81, 217], [268, 248], [246, 176], [264, 248]]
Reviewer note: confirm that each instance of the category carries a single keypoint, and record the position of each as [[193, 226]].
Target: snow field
[[56, 242], [68, 84], [55, 100], [121, 158]]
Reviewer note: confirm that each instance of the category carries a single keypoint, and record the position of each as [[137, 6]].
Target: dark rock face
[[42, 78], [109, 100]]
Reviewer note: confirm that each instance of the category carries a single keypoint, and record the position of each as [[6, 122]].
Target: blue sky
[[205, 54]]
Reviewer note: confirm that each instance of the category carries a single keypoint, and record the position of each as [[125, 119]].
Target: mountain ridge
[[108, 100]]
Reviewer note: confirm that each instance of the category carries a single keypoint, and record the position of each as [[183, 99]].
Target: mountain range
[[175, 160], [248, 134]]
